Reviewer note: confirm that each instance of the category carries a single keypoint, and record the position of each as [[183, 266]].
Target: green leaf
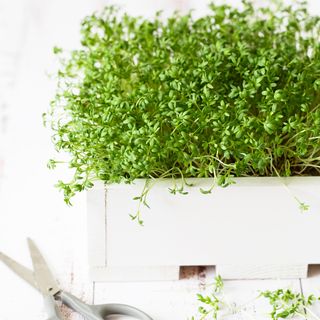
[[187, 97], [205, 191]]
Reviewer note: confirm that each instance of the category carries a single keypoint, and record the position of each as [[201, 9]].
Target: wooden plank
[[161, 300], [123, 273], [177, 299], [265, 271]]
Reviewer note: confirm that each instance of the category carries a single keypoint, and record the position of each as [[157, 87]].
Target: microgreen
[[212, 304], [284, 303], [233, 93]]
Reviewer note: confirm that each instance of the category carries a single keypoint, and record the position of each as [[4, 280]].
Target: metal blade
[[42, 275], [19, 269]]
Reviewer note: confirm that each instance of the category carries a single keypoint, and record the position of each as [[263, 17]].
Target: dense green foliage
[[234, 93]]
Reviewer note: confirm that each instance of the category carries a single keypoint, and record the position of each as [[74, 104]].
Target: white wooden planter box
[[251, 229]]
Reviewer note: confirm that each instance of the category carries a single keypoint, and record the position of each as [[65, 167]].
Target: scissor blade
[[19, 269], [42, 275]]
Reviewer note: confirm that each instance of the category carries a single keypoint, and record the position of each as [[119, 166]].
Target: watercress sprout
[[233, 93]]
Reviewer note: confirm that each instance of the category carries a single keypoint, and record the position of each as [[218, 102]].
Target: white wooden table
[[31, 206]]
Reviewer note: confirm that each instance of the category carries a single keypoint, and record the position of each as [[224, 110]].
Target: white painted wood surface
[[251, 224], [31, 206], [244, 271], [176, 300]]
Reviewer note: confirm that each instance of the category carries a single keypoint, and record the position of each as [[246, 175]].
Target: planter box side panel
[[243, 222], [256, 222]]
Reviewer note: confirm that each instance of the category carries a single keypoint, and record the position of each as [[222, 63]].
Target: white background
[[29, 204]]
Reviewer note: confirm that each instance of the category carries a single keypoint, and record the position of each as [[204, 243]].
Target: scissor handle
[[105, 310], [99, 312]]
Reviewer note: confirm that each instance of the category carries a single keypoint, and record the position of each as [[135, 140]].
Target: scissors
[[42, 280]]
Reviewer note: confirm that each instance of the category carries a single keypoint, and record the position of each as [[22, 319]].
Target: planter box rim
[[198, 182]]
